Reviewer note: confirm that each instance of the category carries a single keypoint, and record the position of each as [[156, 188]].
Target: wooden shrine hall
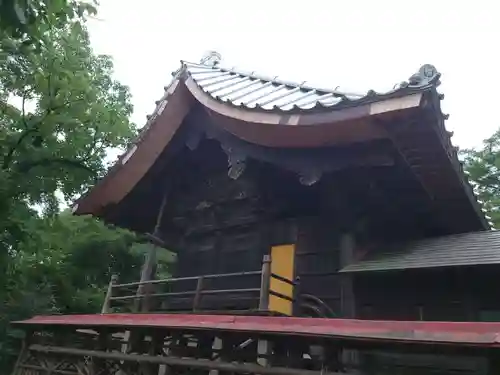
[[282, 198]]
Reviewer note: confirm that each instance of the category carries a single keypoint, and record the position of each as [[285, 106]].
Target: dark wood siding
[[219, 225], [318, 260], [446, 294]]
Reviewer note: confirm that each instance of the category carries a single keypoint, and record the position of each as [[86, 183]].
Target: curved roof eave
[[300, 127], [305, 128], [132, 165]]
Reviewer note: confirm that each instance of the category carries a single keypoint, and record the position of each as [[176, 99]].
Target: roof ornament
[[426, 75], [211, 58]]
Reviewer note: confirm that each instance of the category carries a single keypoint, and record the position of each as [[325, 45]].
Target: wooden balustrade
[[142, 297]]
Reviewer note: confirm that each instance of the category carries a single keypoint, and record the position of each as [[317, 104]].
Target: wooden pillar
[[264, 351], [106, 306], [97, 365], [348, 302], [147, 274], [217, 347], [265, 284], [148, 271], [198, 294]]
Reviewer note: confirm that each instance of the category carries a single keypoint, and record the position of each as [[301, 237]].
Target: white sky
[[355, 44]]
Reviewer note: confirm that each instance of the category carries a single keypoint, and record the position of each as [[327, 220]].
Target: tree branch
[[92, 145], [23, 107]]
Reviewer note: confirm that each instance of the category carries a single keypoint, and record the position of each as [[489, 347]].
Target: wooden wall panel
[[453, 294]]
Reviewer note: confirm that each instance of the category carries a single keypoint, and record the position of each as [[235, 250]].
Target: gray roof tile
[[456, 250]]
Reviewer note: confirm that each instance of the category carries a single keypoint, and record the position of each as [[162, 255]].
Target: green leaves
[[483, 166], [60, 112], [27, 21], [62, 265], [77, 112]]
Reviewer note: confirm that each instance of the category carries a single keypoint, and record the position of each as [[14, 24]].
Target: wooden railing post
[[106, 306], [296, 297], [265, 283], [198, 294], [263, 346]]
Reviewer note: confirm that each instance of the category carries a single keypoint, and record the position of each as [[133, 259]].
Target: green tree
[[483, 166], [63, 266], [60, 111], [28, 20]]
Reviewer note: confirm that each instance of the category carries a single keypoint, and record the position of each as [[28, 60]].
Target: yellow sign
[[282, 264]]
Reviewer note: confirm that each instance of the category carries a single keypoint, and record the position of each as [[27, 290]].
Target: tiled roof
[[456, 250], [252, 90]]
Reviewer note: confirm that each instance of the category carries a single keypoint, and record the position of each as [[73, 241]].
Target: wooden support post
[[198, 295], [217, 348], [97, 365], [348, 303], [265, 284], [263, 352], [106, 306], [155, 349], [142, 302], [296, 297], [347, 247]]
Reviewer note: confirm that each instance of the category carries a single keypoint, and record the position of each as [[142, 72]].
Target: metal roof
[[463, 333], [456, 250], [252, 90], [249, 90]]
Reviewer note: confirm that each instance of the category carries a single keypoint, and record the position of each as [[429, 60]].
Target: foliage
[[60, 111], [483, 166], [49, 274], [28, 20], [79, 112]]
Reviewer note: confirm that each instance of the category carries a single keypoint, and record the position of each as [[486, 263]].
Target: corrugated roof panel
[[226, 91], [291, 97], [255, 86], [252, 90], [245, 88], [457, 250], [297, 99], [226, 85], [261, 94]]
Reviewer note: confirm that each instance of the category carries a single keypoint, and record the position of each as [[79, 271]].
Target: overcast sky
[[357, 45]]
